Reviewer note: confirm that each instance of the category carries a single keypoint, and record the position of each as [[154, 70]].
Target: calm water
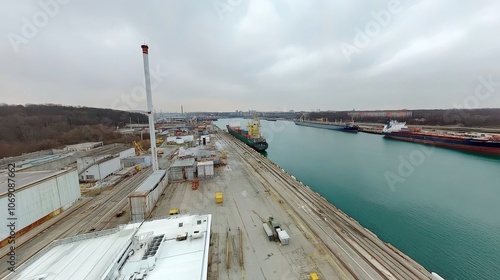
[[442, 207]]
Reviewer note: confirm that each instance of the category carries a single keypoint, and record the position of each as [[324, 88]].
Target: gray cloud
[[260, 54]]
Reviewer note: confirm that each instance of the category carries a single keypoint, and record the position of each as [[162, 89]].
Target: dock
[[323, 240]]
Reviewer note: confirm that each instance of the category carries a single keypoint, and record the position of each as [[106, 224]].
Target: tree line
[[437, 117], [36, 127]]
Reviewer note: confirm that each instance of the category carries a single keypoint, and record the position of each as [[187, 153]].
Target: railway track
[[352, 245]]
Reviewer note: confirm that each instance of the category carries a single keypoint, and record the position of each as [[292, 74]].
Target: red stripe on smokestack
[[144, 49]]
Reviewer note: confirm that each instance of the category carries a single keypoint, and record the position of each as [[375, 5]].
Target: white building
[[99, 163], [39, 196], [172, 248], [101, 169], [83, 146]]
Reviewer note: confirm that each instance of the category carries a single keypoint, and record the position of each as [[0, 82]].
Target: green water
[[442, 208]]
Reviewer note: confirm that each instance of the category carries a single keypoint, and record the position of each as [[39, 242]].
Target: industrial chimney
[[152, 137]]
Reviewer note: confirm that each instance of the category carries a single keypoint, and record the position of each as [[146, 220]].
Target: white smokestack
[[152, 137]]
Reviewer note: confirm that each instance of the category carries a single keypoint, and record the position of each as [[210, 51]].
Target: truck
[[274, 226], [283, 236], [268, 231]]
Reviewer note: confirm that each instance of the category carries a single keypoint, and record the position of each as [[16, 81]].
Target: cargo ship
[[329, 125], [476, 143], [251, 136]]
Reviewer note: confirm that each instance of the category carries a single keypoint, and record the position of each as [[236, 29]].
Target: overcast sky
[[227, 55]]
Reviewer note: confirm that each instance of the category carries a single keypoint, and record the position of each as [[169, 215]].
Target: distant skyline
[[227, 55]]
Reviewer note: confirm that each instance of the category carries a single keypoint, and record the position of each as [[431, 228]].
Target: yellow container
[[218, 197], [314, 276]]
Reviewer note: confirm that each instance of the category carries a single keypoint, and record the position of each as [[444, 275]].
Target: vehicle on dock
[[174, 211], [268, 232], [283, 236]]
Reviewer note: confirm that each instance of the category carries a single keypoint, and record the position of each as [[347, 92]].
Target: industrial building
[[142, 161], [172, 248], [39, 196], [180, 139], [101, 162], [144, 198], [48, 162], [182, 170], [83, 146]]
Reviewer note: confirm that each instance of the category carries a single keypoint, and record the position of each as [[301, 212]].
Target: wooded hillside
[[449, 117], [35, 127]]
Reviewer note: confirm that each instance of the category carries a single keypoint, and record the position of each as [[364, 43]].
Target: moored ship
[[251, 136], [477, 143], [329, 125]]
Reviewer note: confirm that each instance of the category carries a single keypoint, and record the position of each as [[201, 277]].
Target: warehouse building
[[38, 197], [144, 198], [142, 161], [172, 248], [83, 146], [101, 162], [98, 154]]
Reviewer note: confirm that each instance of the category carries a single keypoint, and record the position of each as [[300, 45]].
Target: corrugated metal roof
[[149, 183], [24, 179], [183, 162]]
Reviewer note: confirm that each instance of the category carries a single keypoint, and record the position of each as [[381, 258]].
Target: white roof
[[150, 182], [149, 248], [88, 256], [24, 179], [208, 162], [186, 259]]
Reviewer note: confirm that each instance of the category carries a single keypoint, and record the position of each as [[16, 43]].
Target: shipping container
[[283, 237], [144, 198], [40, 195], [268, 231]]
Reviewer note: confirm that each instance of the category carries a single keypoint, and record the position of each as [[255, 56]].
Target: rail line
[[356, 243]]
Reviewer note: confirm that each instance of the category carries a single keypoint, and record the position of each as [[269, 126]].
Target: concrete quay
[[323, 239]]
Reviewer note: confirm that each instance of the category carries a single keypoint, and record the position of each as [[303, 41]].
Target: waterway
[[439, 206]]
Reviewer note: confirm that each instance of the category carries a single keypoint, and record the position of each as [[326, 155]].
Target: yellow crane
[[138, 148]]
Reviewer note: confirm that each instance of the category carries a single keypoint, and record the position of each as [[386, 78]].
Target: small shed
[[205, 169], [182, 170]]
